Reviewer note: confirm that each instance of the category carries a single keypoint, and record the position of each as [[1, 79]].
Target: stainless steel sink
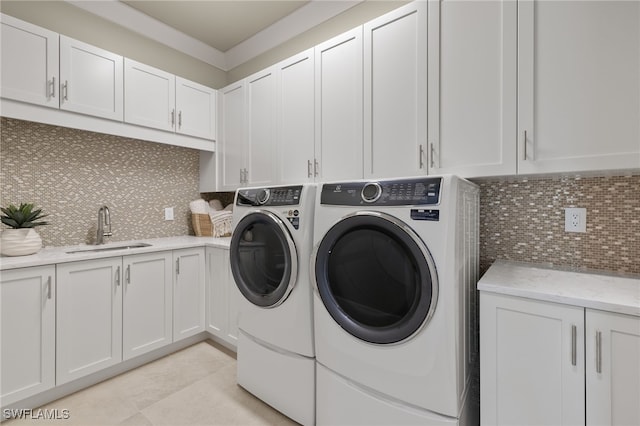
[[110, 248]]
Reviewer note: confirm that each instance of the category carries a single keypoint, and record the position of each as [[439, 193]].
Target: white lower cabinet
[[147, 305], [188, 292], [222, 297], [540, 362], [27, 314], [89, 317]]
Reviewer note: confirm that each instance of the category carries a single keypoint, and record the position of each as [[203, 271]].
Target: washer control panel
[[277, 196], [396, 192]]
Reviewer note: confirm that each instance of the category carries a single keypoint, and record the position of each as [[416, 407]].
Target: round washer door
[[264, 260], [376, 277]]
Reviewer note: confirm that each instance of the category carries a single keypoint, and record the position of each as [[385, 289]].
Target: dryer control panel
[[393, 192], [277, 196]]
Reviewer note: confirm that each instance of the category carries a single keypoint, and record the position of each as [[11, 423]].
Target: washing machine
[[270, 250], [394, 266]]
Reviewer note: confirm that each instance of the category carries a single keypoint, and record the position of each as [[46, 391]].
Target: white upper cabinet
[[231, 144], [91, 80], [338, 99], [158, 99], [295, 125], [578, 85], [395, 92], [27, 332], [472, 88], [149, 96], [196, 109], [260, 123], [29, 58]]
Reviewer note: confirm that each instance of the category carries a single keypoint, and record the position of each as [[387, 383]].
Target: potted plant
[[21, 239]]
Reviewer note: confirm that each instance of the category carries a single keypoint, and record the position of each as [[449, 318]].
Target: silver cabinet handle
[[574, 345], [309, 172], [65, 87], [49, 288], [420, 157], [53, 86], [118, 276], [316, 167], [598, 352], [173, 117], [432, 154], [178, 266], [128, 275], [179, 119]]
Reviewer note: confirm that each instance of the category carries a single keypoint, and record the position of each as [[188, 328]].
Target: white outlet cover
[[168, 213], [575, 219]]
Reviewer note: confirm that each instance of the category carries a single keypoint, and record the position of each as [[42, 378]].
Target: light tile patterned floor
[[195, 386]]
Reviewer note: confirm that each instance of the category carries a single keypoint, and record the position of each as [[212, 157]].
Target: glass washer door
[[263, 259], [376, 277]]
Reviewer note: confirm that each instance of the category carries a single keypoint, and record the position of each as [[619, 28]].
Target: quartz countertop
[[55, 255], [614, 293]]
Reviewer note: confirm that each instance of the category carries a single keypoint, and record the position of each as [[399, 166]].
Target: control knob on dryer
[[263, 196], [371, 192]]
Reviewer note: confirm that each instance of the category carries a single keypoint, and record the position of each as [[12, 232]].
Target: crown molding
[[303, 19]]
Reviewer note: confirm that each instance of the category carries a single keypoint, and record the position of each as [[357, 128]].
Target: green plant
[[22, 217]]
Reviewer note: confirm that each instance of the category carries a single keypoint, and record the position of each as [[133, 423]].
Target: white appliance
[[270, 251], [395, 265]]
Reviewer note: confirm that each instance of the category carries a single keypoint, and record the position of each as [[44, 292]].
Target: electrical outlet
[[575, 219], [168, 213]]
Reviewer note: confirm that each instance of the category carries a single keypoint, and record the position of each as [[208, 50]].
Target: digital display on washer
[[277, 196], [396, 192]]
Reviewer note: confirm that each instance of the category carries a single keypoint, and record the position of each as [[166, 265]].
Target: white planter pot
[[20, 242]]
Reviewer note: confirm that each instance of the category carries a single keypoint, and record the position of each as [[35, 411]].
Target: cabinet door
[[261, 122], [217, 307], [296, 113], [149, 96], [89, 317], [188, 293], [338, 100], [147, 305], [531, 362], [578, 85], [232, 137], [27, 313], [612, 368], [395, 92], [91, 80], [29, 57], [196, 109], [472, 88]]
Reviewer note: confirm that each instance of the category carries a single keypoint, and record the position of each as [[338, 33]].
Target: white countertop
[[590, 290], [53, 255]]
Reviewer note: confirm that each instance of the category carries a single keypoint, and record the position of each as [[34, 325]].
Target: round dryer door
[[376, 277], [263, 259]]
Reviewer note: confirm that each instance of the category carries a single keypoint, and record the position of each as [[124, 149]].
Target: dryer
[[270, 249], [395, 264]]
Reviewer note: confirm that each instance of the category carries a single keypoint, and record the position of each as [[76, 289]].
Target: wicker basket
[[202, 225]]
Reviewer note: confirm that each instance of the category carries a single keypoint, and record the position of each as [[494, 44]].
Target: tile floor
[[195, 386]]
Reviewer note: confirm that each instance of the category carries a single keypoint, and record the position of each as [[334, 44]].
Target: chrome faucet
[[104, 219]]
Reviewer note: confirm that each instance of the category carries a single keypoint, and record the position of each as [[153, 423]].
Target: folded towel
[[229, 207], [199, 207], [221, 221]]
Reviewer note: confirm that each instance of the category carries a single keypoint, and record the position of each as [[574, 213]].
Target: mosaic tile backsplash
[[522, 219], [71, 173]]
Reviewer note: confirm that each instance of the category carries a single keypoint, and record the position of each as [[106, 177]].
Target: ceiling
[[222, 33], [220, 24]]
